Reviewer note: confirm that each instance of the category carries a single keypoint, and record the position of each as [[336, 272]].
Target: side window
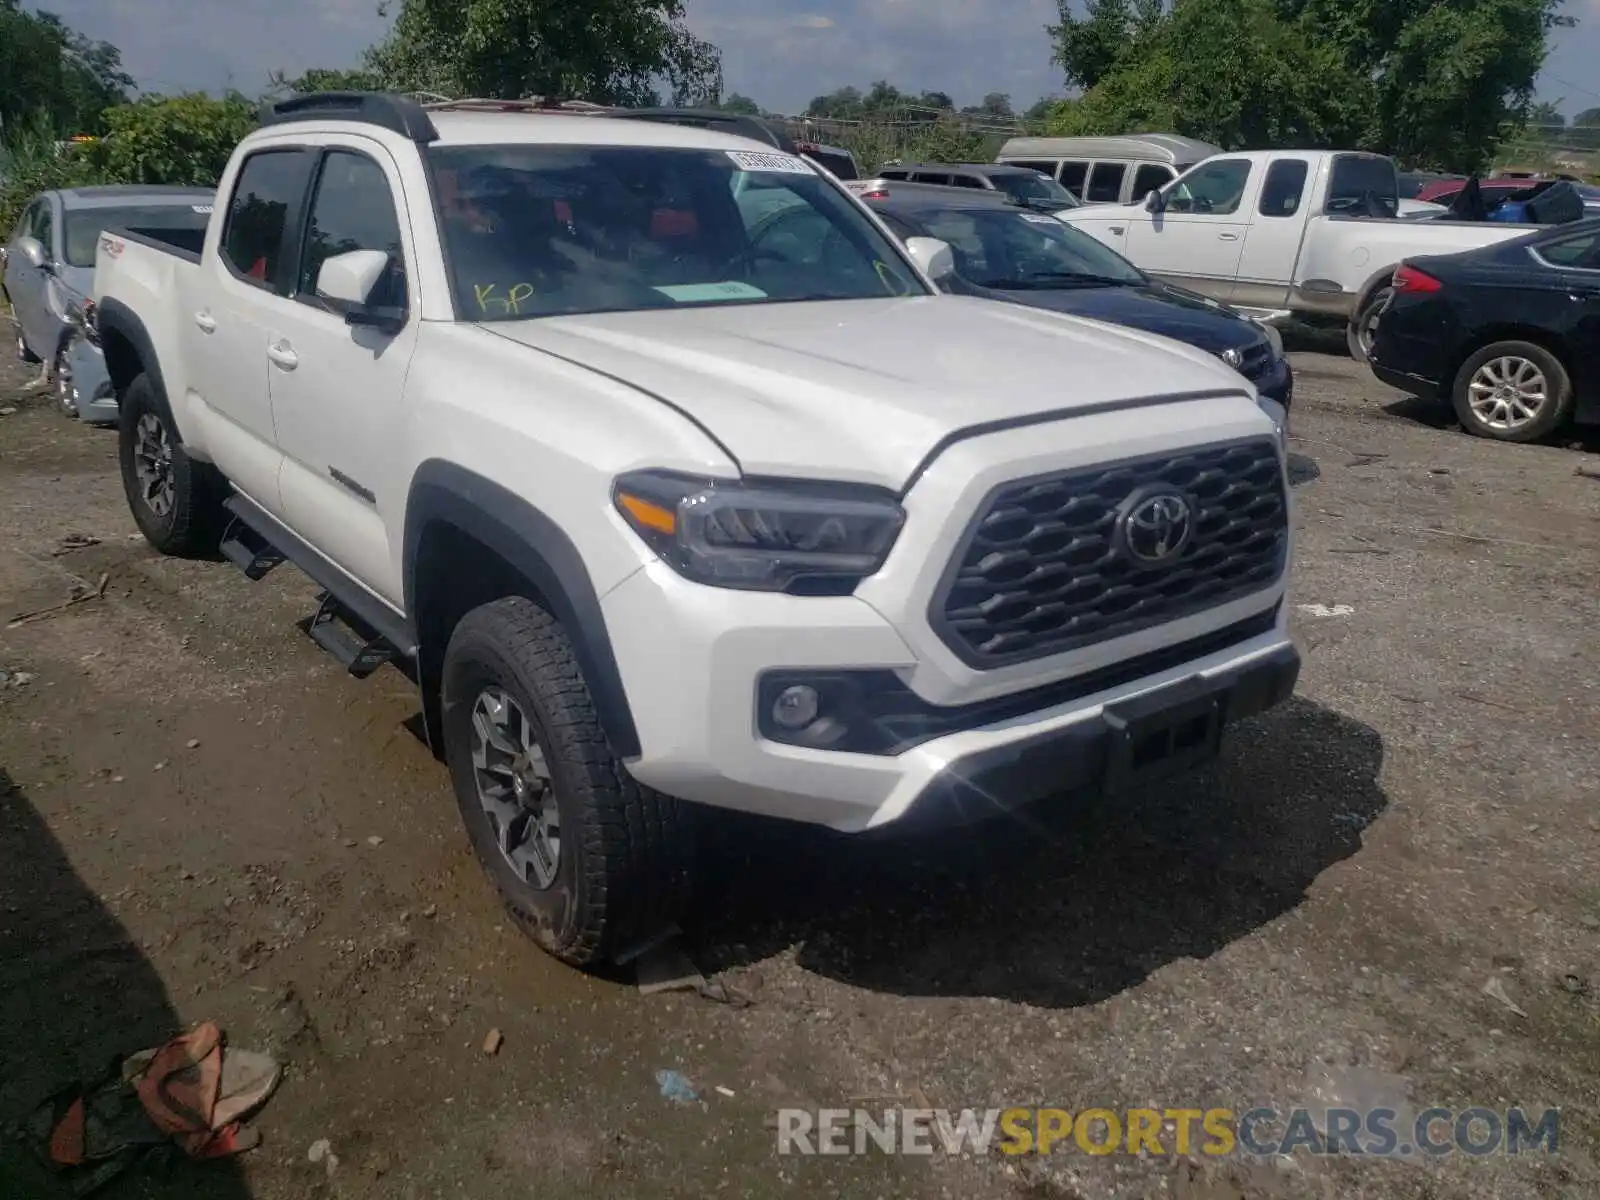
[[1044, 167], [44, 228], [930, 177], [1072, 176], [1212, 188], [1284, 187], [1151, 177], [1105, 183], [968, 181], [353, 210], [894, 173], [1363, 185], [1582, 252], [271, 182]]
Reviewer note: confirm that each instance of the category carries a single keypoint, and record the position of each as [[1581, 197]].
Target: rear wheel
[[175, 501], [587, 861], [1363, 329], [1512, 392], [66, 392]]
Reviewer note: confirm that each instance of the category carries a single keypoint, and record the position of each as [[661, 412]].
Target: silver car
[[47, 275]]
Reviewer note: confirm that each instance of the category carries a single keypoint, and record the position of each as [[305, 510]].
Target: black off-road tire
[[625, 865], [1368, 314], [192, 524], [1555, 412]]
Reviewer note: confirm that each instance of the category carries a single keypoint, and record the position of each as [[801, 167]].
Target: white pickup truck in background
[[1283, 232]]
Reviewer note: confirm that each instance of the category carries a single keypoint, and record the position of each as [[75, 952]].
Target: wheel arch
[[469, 541], [130, 352]]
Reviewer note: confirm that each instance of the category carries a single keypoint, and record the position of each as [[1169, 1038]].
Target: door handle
[[1228, 237], [206, 322], [285, 357]]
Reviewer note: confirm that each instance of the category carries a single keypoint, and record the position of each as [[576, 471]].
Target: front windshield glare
[[533, 231], [1009, 249]]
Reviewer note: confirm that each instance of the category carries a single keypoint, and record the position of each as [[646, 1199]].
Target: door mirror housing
[[346, 283], [1156, 201], [33, 253], [937, 260]]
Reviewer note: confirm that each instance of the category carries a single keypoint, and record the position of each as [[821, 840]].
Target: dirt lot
[[202, 818]]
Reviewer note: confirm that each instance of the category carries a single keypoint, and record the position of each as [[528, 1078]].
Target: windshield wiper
[[1068, 278]]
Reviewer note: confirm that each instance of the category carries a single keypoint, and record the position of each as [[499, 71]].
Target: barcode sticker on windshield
[[1038, 220], [755, 160]]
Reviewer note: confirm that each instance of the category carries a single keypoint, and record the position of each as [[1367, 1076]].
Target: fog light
[[796, 707]]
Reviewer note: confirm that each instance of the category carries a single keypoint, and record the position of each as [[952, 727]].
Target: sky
[[779, 52]]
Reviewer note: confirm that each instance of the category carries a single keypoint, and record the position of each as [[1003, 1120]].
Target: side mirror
[[34, 253], [935, 257], [1155, 202], [347, 281]]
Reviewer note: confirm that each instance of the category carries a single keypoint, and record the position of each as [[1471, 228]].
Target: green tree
[[996, 106], [1546, 118], [607, 51], [1224, 71], [1587, 119], [320, 79], [173, 139], [740, 104], [1109, 34], [47, 68]]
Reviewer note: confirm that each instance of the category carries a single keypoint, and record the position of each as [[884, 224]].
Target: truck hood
[[865, 390]]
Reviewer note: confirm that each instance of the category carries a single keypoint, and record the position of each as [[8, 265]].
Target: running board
[[357, 647], [249, 551]]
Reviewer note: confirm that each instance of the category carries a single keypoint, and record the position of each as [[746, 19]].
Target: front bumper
[[695, 698], [96, 400], [1277, 383]]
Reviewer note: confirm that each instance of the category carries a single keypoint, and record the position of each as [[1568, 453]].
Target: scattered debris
[[15, 679], [1323, 610], [1589, 922], [374, 841], [194, 743], [81, 597], [676, 1088], [1574, 983], [350, 843], [160, 766], [665, 967], [431, 911], [74, 541], [319, 1150], [493, 1042], [1495, 989], [725, 1091], [1586, 472], [8, 411]]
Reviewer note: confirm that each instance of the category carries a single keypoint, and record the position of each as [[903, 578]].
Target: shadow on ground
[[75, 992], [1072, 903]]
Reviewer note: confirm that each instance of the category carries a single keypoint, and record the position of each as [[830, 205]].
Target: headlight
[[1274, 338], [803, 538]]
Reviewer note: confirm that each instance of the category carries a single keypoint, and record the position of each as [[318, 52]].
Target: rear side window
[[894, 173], [1151, 177], [1582, 251], [1043, 167], [1284, 186], [1363, 185], [271, 183], [967, 181], [1072, 176], [353, 210], [930, 177], [1105, 183], [44, 228]]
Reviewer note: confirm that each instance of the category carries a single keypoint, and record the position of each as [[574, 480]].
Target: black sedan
[[1509, 334], [1003, 252]]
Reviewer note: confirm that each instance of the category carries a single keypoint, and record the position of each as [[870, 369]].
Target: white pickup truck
[[1279, 232], [667, 505]]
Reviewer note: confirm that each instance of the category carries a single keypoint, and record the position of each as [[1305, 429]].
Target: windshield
[[534, 231], [1003, 248], [84, 225], [1034, 188]]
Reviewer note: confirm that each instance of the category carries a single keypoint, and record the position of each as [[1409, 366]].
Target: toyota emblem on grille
[[1156, 526], [1234, 358]]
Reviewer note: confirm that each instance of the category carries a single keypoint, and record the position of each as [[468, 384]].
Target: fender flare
[[538, 549], [113, 316]]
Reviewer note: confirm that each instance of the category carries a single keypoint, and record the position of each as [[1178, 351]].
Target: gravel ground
[[200, 817]]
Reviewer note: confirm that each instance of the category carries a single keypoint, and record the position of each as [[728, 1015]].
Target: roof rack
[[383, 109]]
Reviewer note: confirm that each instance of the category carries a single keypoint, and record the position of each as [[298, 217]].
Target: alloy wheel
[[1508, 393], [152, 464], [515, 788]]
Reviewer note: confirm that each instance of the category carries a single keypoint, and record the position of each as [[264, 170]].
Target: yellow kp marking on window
[[508, 305], [890, 280]]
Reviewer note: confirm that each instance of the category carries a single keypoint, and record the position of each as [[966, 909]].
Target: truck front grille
[[1046, 565]]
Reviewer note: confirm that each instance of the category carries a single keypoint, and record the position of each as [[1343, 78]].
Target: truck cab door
[[1277, 228], [1197, 236], [224, 323]]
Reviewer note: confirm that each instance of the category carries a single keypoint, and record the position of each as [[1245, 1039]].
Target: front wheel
[[1512, 392], [175, 501], [66, 392], [587, 861]]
